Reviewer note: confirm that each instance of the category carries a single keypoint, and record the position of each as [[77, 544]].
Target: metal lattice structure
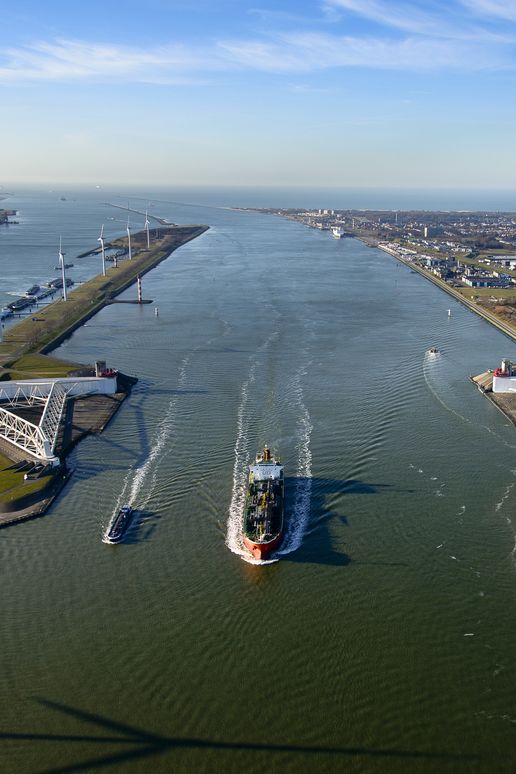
[[39, 441], [25, 395], [34, 392], [52, 414], [36, 440], [25, 435]]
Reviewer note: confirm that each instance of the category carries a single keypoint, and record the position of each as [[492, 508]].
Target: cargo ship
[[338, 232], [262, 528], [119, 526]]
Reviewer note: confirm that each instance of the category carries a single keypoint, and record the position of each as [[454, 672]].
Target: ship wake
[[136, 477], [234, 532], [298, 515]]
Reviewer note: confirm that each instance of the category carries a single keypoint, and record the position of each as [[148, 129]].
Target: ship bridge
[[264, 472]]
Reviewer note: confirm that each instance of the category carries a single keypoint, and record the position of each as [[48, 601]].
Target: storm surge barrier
[[39, 440]]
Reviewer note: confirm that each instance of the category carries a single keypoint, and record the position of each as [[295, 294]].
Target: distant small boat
[[119, 526], [33, 290], [20, 303], [67, 266], [58, 283], [433, 351]]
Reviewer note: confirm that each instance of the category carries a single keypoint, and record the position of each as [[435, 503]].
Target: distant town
[[471, 252]]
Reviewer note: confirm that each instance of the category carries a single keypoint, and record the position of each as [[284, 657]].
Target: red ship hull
[[262, 550]]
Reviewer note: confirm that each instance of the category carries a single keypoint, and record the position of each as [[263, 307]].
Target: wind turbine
[[62, 264], [129, 240], [101, 240], [147, 229]]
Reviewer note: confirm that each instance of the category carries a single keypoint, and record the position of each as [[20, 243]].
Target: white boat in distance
[[338, 232]]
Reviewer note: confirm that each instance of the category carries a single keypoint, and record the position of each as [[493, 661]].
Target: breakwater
[[59, 319]]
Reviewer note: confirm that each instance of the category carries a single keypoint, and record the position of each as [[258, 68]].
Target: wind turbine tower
[[62, 264], [101, 240], [147, 229], [129, 240]]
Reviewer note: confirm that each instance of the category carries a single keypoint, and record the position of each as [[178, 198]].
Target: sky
[[387, 93]]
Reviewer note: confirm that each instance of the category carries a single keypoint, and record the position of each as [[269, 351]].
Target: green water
[[382, 638]]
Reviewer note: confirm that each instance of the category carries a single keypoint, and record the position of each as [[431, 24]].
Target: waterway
[[382, 637]]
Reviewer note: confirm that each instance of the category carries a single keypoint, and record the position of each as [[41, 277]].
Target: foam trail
[[241, 451], [504, 497], [430, 369], [136, 478], [298, 520], [163, 433]]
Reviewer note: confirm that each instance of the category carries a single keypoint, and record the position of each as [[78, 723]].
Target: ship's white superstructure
[[338, 232]]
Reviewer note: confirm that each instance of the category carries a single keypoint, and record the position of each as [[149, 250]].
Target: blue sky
[[194, 92]]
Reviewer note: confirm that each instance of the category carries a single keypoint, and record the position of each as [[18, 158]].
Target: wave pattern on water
[[297, 521], [241, 451], [135, 479]]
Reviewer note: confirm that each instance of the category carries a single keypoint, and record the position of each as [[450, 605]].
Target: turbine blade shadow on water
[[145, 744]]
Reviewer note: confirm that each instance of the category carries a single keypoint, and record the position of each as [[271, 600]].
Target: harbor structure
[[504, 377]]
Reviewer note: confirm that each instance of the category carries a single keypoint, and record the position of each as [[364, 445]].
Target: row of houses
[[471, 276]]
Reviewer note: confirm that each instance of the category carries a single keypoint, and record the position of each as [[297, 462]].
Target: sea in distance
[[381, 637]]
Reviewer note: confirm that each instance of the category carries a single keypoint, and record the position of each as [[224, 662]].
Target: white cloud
[[83, 61], [408, 18], [499, 9], [311, 52], [79, 60], [435, 18]]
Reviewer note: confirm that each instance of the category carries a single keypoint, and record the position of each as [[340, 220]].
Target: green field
[[13, 487], [37, 366]]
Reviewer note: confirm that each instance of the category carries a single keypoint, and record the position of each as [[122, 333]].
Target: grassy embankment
[[22, 351], [499, 302], [15, 492], [43, 330]]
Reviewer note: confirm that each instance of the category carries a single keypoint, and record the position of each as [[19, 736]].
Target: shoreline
[[58, 320], [37, 336], [505, 402], [487, 316]]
